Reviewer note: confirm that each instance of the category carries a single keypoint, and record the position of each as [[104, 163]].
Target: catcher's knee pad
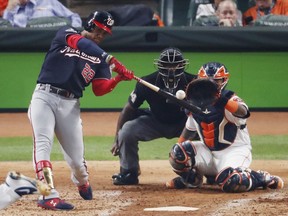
[[44, 172], [182, 156], [233, 180]]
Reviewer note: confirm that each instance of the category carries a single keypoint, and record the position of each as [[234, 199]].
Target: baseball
[[180, 94]]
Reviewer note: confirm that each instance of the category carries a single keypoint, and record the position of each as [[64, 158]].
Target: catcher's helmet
[[182, 156], [215, 71], [101, 19], [171, 65]]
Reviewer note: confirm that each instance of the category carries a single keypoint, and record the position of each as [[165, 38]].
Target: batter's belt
[[55, 90]]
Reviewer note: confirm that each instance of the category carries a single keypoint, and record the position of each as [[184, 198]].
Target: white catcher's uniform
[[225, 140]]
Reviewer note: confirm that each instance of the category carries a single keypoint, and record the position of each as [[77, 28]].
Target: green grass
[[270, 147], [98, 148]]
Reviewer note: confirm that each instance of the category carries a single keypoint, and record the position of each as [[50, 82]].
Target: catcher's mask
[[101, 19], [171, 65], [182, 156], [216, 71]]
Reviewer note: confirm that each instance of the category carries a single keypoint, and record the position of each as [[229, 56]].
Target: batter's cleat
[[85, 191], [271, 181], [176, 183], [21, 184], [125, 179], [55, 204]]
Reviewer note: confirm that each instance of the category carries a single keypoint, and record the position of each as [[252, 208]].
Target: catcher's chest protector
[[217, 133]]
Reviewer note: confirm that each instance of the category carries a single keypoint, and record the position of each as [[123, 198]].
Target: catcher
[[225, 148]]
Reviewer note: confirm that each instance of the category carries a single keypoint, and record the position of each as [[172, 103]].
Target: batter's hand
[[119, 68], [127, 74]]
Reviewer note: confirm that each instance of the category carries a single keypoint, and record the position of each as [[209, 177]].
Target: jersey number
[[88, 73]]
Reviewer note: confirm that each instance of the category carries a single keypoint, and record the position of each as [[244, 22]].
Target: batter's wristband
[[232, 106], [181, 139], [108, 58]]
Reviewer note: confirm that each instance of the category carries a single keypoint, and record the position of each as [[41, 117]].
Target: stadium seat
[[174, 12]]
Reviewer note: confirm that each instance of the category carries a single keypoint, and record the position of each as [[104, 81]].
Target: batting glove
[[119, 68]]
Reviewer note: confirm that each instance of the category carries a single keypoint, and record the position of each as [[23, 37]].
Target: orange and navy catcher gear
[[182, 157], [215, 71], [182, 160], [101, 19]]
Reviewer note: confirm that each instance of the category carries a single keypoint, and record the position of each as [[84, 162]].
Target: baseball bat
[[168, 95]]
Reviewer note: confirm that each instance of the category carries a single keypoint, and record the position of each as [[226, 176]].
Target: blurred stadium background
[[256, 56]]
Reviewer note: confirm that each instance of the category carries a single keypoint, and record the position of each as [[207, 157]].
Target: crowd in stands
[[39, 13], [226, 13], [52, 13]]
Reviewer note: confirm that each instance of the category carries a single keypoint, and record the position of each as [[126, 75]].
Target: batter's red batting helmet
[[101, 19]]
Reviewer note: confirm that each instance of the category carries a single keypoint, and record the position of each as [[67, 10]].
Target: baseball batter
[[73, 62], [225, 148]]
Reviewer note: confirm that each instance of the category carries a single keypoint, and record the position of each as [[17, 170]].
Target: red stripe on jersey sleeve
[[72, 40]]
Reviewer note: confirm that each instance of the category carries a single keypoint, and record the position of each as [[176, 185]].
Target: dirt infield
[[132, 200]]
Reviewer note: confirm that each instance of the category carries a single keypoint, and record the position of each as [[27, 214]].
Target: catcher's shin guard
[[44, 172], [240, 180], [235, 180]]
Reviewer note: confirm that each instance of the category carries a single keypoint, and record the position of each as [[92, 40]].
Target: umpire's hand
[[115, 149]]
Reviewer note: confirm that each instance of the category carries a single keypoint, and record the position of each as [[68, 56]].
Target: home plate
[[172, 208]]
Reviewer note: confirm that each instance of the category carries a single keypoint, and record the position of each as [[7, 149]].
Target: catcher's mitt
[[202, 92]]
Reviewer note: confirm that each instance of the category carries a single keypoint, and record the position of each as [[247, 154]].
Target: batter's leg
[[69, 133], [43, 134]]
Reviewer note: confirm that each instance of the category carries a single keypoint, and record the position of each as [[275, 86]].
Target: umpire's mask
[[171, 65]]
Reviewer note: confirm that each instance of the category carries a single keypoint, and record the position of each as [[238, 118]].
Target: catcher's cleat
[[125, 179], [270, 181], [85, 191], [55, 204], [176, 183], [21, 184]]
